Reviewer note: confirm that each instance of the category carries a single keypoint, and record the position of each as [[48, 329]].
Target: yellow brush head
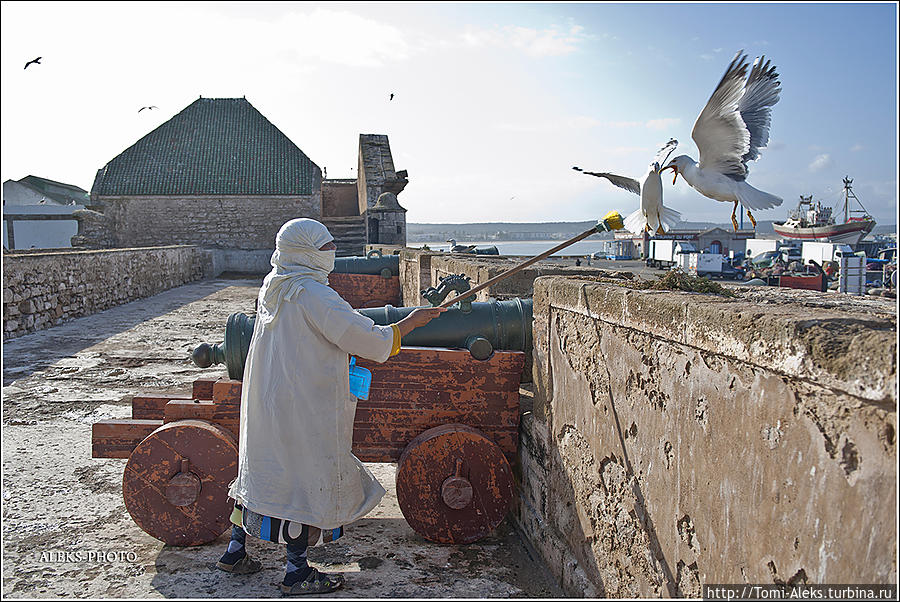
[[611, 221]]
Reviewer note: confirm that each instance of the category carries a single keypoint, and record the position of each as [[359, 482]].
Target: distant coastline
[[486, 232]]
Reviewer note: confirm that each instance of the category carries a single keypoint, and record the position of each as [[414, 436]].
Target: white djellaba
[[294, 453]]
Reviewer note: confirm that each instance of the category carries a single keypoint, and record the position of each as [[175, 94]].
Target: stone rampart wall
[[682, 439], [45, 289]]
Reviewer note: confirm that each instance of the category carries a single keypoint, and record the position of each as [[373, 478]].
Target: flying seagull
[[36, 61], [151, 108], [729, 132], [392, 96], [652, 215]]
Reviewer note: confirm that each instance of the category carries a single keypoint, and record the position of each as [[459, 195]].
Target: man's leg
[[297, 567], [235, 558], [236, 549]]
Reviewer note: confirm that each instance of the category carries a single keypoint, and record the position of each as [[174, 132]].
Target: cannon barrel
[[489, 325], [504, 324], [386, 266]]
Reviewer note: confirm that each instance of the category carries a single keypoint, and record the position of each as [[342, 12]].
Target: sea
[[528, 248]]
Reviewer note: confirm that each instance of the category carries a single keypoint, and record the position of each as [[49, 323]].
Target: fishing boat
[[813, 222]]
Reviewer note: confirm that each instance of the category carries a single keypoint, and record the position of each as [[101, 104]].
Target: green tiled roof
[[213, 146]]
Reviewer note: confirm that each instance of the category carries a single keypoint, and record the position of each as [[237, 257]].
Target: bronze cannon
[[446, 409], [370, 281]]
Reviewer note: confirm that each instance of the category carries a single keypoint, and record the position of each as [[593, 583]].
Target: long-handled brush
[[612, 221]]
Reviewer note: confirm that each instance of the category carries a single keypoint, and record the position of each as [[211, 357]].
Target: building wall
[[41, 290], [48, 226], [682, 439], [391, 228], [339, 198], [225, 222]]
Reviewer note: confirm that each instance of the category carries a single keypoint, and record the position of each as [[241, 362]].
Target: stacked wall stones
[[415, 275], [233, 222], [683, 439], [46, 289]]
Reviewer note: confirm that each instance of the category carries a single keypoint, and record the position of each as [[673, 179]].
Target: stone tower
[[385, 218]]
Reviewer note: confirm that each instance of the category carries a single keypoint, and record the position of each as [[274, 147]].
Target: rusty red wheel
[[454, 484], [176, 482]]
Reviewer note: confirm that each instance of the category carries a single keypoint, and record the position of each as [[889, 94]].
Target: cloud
[[340, 37], [856, 148], [821, 162], [663, 124], [552, 41], [583, 122]]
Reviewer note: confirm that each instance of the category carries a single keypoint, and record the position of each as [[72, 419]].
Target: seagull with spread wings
[[652, 215], [36, 61], [729, 132], [151, 108]]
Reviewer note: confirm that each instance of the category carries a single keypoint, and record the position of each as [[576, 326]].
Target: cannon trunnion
[[449, 419]]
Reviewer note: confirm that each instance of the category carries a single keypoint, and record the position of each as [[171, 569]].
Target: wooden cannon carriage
[[449, 420]]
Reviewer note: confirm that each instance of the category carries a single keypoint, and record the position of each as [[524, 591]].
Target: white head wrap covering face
[[297, 259]]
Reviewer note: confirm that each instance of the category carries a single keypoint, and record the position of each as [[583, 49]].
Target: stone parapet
[[683, 439], [415, 275], [480, 269], [41, 290]]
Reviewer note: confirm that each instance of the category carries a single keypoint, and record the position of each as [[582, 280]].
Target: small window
[[399, 229]]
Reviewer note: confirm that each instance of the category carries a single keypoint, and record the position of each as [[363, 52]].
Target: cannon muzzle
[[504, 325]]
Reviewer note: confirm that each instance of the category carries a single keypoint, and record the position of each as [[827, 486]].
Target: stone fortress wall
[[206, 221]]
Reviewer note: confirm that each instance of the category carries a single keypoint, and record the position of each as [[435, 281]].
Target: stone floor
[[66, 532]]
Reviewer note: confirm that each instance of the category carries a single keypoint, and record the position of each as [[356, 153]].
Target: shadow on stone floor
[[380, 558], [29, 353]]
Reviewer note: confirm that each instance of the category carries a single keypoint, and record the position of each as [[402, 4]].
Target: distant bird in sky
[[392, 96], [652, 215], [729, 132], [151, 108], [36, 61]]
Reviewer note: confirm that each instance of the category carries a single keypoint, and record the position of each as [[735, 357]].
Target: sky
[[493, 103]]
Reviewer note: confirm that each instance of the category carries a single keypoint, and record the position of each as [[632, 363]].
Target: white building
[[37, 213]]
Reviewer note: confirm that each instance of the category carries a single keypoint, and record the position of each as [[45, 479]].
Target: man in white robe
[[298, 481]]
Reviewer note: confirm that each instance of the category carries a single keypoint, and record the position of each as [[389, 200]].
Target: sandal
[[315, 583], [244, 566]]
